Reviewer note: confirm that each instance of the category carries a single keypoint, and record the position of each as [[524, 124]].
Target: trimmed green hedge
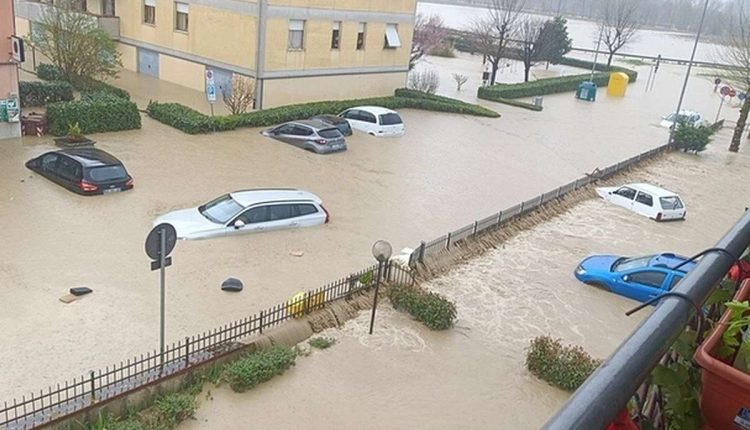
[[499, 92], [104, 113], [193, 122], [433, 310], [49, 72], [41, 93]]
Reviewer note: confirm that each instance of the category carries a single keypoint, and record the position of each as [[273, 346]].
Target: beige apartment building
[[297, 50], [9, 108]]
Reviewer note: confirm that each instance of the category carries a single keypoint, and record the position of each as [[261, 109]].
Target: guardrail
[[62, 400], [495, 221]]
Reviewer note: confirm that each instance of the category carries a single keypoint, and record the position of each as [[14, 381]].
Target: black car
[[335, 121], [84, 171]]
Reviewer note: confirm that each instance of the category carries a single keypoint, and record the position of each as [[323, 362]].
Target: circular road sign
[[742, 96], [153, 241], [717, 81], [725, 90], [732, 93]]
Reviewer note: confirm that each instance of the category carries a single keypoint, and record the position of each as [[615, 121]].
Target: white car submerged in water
[[647, 200], [248, 211]]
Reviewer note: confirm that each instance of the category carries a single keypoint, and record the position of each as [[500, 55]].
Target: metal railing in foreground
[[57, 402], [608, 389]]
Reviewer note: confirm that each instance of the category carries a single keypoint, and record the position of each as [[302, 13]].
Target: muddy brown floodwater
[[472, 376], [446, 172]]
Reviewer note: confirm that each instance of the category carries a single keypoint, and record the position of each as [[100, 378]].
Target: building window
[[392, 40], [181, 16], [296, 34], [336, 35], [361, 35], [149, 12]]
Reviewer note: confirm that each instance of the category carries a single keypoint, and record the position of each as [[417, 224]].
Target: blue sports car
[[638, 278]]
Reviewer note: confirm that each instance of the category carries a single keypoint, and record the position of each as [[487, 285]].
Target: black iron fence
[[494, 221], [61, 400]]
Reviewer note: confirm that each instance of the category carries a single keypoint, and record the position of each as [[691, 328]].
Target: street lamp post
[[381, 250], [687, 75]]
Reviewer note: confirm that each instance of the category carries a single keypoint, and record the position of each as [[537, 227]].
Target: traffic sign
[[717, 81], [211, 92], [742, 96], [724, 91], [732, 93], [153, 241]]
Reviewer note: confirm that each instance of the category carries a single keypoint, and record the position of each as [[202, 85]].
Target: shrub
[[106, 113], [321, 342], [48, 72], [443, 50], [41, 93], [173, 408], [193, 122], [426, 81], [689, 138], [565, 367], [253, 369], [432, 309]]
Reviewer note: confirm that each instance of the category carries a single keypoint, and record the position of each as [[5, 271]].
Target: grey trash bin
[[537, 100]]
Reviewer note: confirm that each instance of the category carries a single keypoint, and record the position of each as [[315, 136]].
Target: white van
[[647, 200], [374, 120]]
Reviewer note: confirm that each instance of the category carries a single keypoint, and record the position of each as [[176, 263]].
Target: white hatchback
[[248, 211], [647, 200], [374, 120]]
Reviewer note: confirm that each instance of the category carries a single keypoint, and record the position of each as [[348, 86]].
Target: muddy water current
[[446, 172], [472, 377]]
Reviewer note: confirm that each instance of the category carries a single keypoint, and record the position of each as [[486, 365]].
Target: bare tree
[[75, 44], [533, 44], [619, 24], [429, 33], [241, 96], [738, 55], [460, 80], [493, 33], [426, 81]]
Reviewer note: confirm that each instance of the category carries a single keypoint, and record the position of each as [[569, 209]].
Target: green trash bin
[[3, 111], [586, 91]]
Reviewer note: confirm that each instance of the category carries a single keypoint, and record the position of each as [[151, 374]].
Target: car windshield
[[623, 264], [671, 203], [330, 133], [221, 209], [390, 119], [108, 173]]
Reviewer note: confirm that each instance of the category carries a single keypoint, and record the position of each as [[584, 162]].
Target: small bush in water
[[563, 366], [321, 342], [432, 309], [258, 367]]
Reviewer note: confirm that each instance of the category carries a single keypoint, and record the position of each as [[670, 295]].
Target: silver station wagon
[[248, 211], [310, 134]]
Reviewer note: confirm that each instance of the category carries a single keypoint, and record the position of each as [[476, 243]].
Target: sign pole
[[162, 255], [721, 103]]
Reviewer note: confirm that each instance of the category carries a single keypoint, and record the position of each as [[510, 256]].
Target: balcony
[[34, 11]]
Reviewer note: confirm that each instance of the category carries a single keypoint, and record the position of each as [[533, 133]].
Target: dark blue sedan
[[638, 278]]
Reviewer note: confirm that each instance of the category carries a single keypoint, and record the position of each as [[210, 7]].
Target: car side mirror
[[238, 224]]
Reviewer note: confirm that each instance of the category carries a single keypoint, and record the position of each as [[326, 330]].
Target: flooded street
[[473, 376], [447, 171]]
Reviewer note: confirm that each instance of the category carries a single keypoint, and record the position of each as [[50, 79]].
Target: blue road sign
[[211, 92], [742, 96]]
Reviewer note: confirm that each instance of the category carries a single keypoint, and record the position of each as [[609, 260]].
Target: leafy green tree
[[75, 44], [554, 36]]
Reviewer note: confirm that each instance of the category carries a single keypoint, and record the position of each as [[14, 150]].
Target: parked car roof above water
[[261, 195], [376, 110], [331, 119], [652, 189], [89, 157]]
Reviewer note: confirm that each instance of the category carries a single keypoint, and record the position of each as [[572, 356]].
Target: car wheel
[[371, 133]]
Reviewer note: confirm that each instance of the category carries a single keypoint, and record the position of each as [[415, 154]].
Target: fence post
[[521, 211], [421, 251], [448, 242], [499, 217], [541, 199], [187, 351], [307, 302], [575, 185], [557, 194], [93, 389], [474, 232], [261, 322]]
